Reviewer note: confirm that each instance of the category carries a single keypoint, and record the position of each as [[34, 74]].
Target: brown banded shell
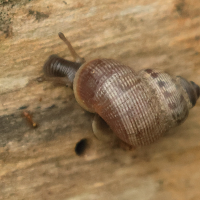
[[138, 107]]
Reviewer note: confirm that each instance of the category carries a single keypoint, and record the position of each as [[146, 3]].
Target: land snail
[[138, 107]]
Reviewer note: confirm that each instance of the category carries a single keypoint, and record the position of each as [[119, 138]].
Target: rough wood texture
[[41, 163]]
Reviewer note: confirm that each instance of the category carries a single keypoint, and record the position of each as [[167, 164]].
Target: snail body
[[139, 107]]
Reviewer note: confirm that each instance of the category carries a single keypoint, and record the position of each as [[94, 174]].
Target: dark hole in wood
[[81, 147]]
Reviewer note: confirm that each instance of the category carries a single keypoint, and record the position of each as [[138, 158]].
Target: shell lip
[[77, 89]]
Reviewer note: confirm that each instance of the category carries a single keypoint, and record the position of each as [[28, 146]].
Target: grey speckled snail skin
[[139, 107]]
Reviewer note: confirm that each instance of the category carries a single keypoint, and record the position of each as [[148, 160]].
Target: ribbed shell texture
[[138, 107]]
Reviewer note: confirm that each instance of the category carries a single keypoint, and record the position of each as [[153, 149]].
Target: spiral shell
[[139, 106]]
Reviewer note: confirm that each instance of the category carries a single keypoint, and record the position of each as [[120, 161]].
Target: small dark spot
[[180, 5], [23, 107], [167, 94], [51, 107], [172, 106], [154, 75], [81, 147], [65, 2], [197, 37], [149, 71], [38, 15], [31, 12], [161, 83]]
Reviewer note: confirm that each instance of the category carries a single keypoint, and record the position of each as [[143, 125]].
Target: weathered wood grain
[[41, 163]]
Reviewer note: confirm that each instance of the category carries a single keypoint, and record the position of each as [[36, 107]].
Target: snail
[[139, 107]]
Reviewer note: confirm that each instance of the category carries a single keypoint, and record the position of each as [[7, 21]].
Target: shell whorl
[[191, 90], [170, 96], [59, 67]]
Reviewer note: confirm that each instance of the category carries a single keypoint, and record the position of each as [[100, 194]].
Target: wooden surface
[[41, 163]]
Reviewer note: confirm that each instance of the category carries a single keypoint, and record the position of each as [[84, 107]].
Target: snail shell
[[139, 107]]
